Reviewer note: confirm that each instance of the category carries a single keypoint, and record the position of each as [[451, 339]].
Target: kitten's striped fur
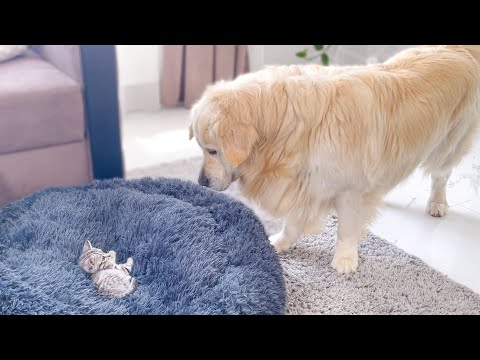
[[111, 279]]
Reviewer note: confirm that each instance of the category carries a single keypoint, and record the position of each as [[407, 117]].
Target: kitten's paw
[[280, 242], [112, 257], [130, 261], [436, 209], [345, 264]]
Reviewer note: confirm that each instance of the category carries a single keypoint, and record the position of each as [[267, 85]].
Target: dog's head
[[221, 124]]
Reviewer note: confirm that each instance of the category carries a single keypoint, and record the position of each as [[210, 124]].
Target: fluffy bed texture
[[195, 251], [390, 281]]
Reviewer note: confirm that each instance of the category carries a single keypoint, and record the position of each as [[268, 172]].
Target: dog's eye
[[212, 152]]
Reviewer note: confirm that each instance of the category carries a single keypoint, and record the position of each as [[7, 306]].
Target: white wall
[[256, 56], [261, 55], [139, 76], [283, 54], [339, 54]]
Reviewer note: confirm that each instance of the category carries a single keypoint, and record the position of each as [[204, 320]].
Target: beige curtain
[[188, 69]]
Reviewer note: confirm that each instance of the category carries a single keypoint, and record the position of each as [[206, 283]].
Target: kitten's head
[[93, 259]]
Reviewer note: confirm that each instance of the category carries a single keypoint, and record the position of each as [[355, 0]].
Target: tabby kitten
[[111, 279]]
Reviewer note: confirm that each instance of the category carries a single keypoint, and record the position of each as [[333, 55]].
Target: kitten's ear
[[87, 246]]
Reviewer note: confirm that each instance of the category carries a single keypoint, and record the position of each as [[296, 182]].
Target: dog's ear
[[193, 116], [237, 141], [190, 132]]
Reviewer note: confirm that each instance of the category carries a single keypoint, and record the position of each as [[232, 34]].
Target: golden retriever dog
[[305, 139]]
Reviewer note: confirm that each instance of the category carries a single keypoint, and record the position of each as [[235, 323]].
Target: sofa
[[43, 127]]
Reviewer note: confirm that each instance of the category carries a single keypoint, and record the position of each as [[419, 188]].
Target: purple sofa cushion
[[64, 57], [39, 105], [24, 172]]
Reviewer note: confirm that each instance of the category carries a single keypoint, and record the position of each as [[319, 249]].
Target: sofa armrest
[[66, 58]]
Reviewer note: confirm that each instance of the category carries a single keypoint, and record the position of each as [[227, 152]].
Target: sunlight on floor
[[153, 138]]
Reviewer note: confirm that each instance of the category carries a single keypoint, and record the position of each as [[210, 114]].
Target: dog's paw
[[280, 242], [345, 264], [437, 210]]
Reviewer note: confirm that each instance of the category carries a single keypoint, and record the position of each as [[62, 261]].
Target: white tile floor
[[450, 244], [152, 138]]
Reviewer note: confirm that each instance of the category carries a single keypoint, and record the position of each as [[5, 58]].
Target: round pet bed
[[195, 251]]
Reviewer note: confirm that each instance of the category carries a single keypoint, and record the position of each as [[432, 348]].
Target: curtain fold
[[188, 69]]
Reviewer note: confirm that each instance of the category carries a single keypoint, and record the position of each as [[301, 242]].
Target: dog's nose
[[203, 180]]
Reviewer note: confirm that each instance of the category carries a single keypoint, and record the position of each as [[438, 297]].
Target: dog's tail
[[474, 50]]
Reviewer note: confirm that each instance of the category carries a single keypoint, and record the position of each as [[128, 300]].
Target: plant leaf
[[318, 47], [302, 54], [325, 59]]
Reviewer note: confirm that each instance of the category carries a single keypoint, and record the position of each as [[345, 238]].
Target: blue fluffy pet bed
[[195, 251]]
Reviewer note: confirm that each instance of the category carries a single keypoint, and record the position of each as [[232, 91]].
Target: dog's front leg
[[354, 211], [286, 238]]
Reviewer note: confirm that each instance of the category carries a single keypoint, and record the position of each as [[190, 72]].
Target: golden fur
[[302, 140]]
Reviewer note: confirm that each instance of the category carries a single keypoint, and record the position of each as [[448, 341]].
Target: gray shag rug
[[389, 281]]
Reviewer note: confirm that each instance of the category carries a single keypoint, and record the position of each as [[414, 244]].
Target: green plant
[[320, 52]]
